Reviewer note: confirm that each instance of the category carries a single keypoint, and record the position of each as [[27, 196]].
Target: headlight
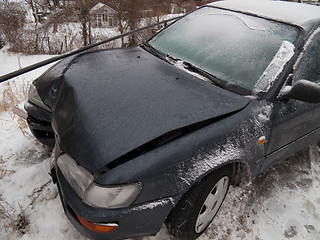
[[35, 98], [78, 177], [95, 195], [112, 197]]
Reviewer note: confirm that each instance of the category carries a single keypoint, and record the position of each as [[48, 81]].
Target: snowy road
[[283, 203]]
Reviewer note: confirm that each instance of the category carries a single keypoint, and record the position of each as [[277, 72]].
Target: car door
[[295, 123]]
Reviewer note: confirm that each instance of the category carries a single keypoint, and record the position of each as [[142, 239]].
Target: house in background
[[103, 16]]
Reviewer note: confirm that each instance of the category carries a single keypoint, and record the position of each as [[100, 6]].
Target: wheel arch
[[176, 220], [241, 173]]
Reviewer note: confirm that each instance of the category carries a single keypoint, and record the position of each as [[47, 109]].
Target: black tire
[[191, 216]]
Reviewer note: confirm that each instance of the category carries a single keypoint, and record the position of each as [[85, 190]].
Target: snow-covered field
[[283, 203]]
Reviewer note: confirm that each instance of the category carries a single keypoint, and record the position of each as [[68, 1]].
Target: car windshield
[[233, 47]]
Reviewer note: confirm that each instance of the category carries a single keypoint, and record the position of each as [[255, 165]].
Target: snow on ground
[[282, 203], [11, 62]]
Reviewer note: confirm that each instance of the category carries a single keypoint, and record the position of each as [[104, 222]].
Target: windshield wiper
[[154, 51], [221, 83], [200, 71], [189, 66]]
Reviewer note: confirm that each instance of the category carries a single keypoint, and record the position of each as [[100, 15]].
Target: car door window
[[292, 119], [308, 67]]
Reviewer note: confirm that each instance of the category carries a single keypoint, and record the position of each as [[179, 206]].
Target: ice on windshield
[[285, 53], [233, 47], [250, 22], [281, 10]]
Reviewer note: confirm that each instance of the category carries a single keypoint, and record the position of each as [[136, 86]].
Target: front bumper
[[134, 221], [39, 123]]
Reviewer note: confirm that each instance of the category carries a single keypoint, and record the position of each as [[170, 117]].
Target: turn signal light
[[262, 140], [97, 227]]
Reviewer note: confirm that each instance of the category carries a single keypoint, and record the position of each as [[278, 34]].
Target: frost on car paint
[[235, 146], [154, 204]]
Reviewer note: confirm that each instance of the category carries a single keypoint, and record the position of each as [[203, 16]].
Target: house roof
[[291, 12], [100, 5]]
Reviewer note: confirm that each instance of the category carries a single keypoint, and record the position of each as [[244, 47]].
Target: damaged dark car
[[157, 133]]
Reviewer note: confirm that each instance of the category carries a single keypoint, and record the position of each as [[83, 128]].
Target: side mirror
[[302, 90]]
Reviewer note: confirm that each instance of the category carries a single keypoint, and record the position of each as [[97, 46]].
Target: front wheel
[[197, 208]]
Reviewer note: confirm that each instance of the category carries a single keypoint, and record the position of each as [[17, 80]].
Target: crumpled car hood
[[111, 102]]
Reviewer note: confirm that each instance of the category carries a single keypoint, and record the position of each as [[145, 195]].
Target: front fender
[[173, 168]]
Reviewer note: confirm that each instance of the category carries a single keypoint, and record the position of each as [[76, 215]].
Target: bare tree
[[34, 4], [120, 7], [12, 20], [83, 8], [129, 14], [133, 15]]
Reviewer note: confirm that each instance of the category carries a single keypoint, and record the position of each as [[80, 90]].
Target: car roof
[[303, 15]]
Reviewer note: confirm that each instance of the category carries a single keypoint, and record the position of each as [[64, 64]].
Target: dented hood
[[108, 103]]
